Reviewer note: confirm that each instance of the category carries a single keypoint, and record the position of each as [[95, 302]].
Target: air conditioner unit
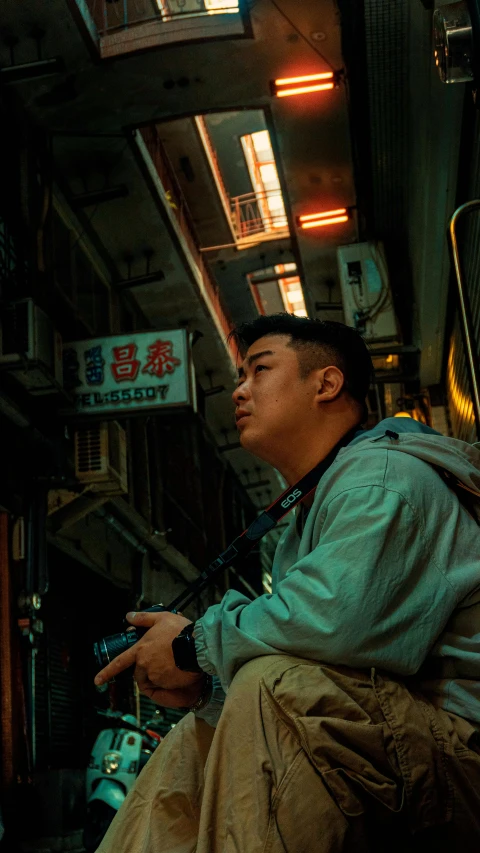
[[30, 347], [101, 457], [366, 294]]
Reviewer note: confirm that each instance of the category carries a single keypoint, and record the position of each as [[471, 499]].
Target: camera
[[108, 648]]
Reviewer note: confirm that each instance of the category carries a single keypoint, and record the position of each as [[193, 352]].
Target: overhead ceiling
[[385, 142], [311, 136]]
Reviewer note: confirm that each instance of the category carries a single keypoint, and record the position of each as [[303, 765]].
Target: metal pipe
[[30, 589], [122, 531], [32, 692], [6, 688], [465, 309], [245, 583], [217, 248], [379, 401]]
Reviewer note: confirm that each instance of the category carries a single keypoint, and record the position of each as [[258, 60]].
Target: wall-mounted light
[[286, 86], [326, 217]]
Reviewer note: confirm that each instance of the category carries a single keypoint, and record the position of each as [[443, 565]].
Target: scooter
[[118, 755]]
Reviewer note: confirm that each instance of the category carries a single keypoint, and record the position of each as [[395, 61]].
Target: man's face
[[274, 406]]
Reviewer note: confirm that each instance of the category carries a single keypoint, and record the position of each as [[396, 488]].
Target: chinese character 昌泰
[[160, 359], [94, 365], [125, 366]]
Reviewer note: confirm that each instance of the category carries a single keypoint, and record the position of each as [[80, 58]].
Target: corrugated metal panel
[[65, 697], [386, 30], [66, 705], [457, 380], [458, 392], [388, 121], [406, 130], [42, 708], [59, 706]]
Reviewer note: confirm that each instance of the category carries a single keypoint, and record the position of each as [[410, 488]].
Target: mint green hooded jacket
[[386, 574]]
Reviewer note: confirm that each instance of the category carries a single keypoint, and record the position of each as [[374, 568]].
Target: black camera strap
[[110, 647], [265, 522]]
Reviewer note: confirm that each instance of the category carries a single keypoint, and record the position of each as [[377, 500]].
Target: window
[[175, 8], [76, 277], [277, 289], [92, 297], [13, 267], [129, 26], [270, 207], [215, 7]]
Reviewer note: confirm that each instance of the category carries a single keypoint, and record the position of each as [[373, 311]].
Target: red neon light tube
[[285, 86], [303, 90], [327, 213], [316, 223], [308, 78]]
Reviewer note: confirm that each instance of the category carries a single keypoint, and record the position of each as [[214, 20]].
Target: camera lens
[[110, 647]]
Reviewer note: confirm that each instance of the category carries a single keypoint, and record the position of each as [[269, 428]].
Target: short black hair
[[318, 343]]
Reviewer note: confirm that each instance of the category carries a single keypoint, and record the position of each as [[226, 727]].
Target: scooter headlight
[[111, 763]]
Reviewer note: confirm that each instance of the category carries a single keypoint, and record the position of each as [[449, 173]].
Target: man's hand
[[155, 671]]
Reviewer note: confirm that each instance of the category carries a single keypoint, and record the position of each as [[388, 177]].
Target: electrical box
[[366, 295], [30, 347], [101, 457]]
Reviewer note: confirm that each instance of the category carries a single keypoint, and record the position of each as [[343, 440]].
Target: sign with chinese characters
[[131, 372]]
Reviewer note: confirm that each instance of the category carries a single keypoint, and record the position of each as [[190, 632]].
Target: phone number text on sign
[[130, 372], [126, 395]]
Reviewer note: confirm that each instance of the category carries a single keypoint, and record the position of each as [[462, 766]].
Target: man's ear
[[331, 382]]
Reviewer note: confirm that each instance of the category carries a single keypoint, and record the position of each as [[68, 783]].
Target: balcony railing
[[261, 215], [111, 15], [180, 210]]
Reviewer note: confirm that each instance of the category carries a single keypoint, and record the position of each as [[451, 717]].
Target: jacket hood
[[459, 459]]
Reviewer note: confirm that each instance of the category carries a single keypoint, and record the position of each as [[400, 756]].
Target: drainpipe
[[6, 690], [122, 531], [36, 585]]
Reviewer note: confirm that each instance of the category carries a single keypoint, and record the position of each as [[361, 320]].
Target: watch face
[[184, 652]]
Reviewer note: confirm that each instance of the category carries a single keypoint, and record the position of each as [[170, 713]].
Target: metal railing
[[253, 213], [466, 311], [179, 208], [110, 15]]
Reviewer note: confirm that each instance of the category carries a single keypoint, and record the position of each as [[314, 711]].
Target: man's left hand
[[152, 656]]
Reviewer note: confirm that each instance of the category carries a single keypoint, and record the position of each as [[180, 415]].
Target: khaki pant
[[308, 757]]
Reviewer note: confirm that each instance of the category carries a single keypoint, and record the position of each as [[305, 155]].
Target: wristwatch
[[184, 652]]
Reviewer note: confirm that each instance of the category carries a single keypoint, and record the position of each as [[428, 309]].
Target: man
[[353, 691]]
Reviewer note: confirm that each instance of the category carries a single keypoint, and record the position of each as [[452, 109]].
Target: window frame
[[284, 279], [259, 189]]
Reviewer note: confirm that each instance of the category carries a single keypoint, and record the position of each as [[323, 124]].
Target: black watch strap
[[184, 651]]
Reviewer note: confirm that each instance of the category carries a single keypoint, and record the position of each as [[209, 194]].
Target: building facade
[[173, 168]]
